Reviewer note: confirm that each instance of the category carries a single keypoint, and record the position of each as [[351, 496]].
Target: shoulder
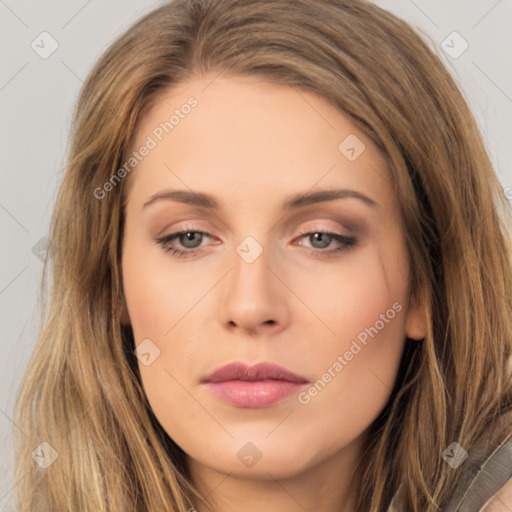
[[491, 487], [485, 484], [501, 501]]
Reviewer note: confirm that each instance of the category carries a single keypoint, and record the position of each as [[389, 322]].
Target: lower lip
[[256, 394]]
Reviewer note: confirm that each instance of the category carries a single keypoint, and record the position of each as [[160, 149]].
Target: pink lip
[[255, 386]]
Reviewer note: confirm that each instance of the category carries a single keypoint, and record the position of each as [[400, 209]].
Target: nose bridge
[[253, 295], [251, 265]]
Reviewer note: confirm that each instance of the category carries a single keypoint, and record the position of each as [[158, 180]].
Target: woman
[[281, 276]]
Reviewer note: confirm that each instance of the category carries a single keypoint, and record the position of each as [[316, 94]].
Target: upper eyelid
[[196, 229], [317, 225]]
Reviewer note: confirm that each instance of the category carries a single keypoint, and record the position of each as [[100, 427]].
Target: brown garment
[[487, 469]]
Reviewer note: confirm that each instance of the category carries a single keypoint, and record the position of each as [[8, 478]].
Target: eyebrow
[[294, 202]]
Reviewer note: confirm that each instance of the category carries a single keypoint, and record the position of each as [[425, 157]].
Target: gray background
[[36, 99]]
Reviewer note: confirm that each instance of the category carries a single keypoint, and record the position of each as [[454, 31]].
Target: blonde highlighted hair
[[82, 391]]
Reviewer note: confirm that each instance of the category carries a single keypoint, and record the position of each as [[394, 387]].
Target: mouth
[[261, 385]]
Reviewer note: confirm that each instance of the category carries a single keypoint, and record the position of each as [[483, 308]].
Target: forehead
[[244, 136]]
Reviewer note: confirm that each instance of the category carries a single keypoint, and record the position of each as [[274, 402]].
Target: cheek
[[161, 303], [354, 299], [356, 357], [158, 294]]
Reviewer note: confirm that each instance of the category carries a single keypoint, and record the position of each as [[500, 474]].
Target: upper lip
[[258, 372]]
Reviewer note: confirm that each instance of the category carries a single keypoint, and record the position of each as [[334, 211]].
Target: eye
[[191, 240], [320, 240]]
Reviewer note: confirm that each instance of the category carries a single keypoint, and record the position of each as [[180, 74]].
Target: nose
[[254, 297]]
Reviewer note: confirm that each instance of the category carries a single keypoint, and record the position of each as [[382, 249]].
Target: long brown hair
[[82, 392]]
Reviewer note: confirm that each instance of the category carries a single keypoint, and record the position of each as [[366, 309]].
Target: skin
[[501, 501], [251, 145]]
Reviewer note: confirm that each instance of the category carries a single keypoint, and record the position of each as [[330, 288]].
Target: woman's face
[[270, 272]]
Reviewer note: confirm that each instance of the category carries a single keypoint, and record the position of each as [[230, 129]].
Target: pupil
[[319, 236], [189, 237]]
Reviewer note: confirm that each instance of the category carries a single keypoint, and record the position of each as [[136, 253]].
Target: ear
[[416, 320]]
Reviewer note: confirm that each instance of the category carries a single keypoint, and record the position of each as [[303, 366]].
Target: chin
[[261, 460]]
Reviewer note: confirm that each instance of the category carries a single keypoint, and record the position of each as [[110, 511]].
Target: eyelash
[[347, 242]]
